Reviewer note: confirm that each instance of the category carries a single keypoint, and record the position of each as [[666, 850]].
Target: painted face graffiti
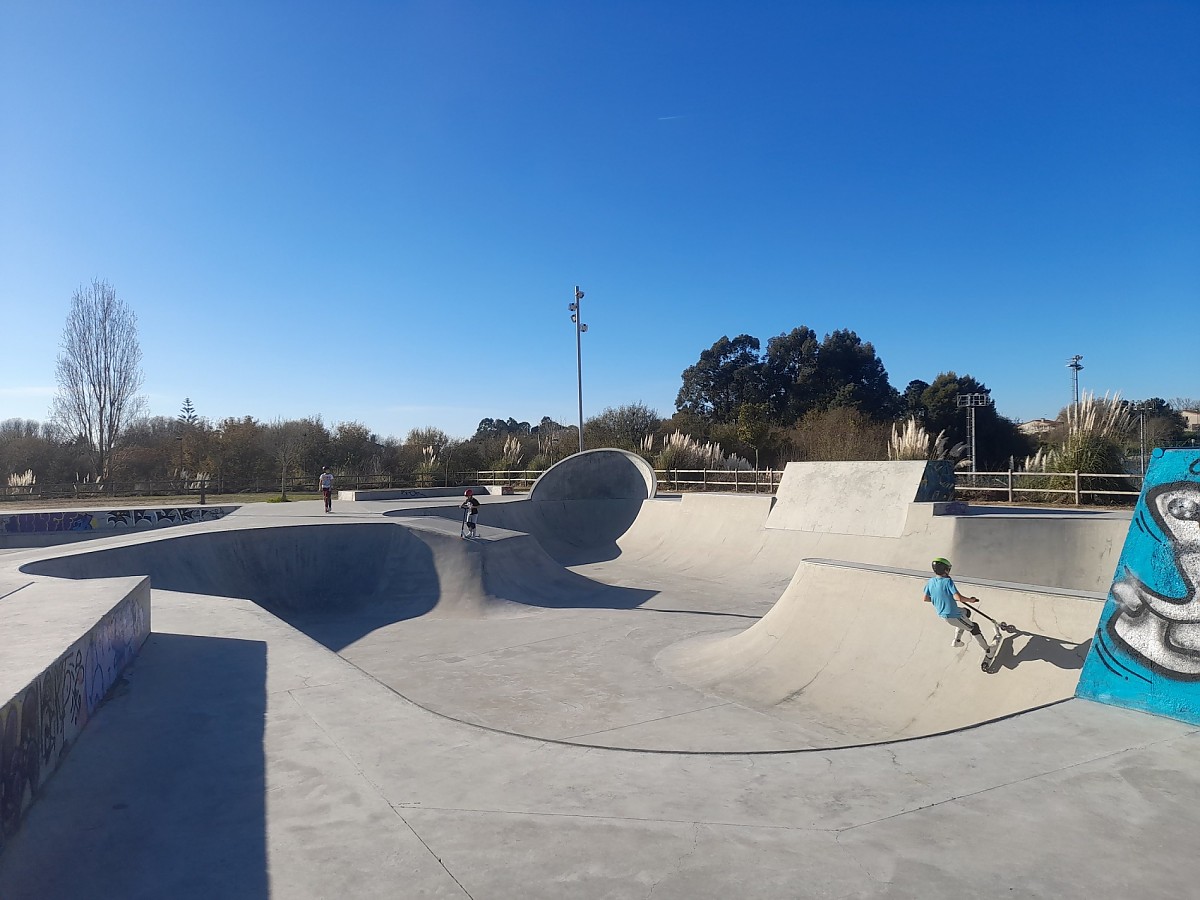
[[1160, 630]]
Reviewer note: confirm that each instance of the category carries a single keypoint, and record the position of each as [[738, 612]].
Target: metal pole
[[580, 328], [974, 465], [1075, 364], [579, 359], [1142, 437]]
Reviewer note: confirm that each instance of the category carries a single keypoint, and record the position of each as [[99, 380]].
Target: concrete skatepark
[[610, 694]]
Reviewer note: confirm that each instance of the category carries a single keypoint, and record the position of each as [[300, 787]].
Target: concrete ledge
[[421, 493], [861, 498], [65, 645]]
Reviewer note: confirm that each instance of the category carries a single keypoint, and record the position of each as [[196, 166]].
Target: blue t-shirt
[[941, 591]]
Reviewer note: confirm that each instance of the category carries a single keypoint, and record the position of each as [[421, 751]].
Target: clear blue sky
[[378, 211]]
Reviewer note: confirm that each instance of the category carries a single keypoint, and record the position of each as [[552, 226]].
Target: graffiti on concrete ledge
[[1146, 654], [57, 522], [41, 723]]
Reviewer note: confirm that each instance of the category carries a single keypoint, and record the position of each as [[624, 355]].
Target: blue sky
[[378, 211]]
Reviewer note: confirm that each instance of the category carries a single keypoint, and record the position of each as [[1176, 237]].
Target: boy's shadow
[[1062, 654]]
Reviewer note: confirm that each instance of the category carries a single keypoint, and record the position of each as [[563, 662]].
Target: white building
[[1037, 427]]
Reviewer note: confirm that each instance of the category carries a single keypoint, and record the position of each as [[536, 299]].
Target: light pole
[[1075, 365], [972, 402], [580, 328], [1141, 411]]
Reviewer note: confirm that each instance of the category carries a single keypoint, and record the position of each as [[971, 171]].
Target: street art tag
[[1146, 652]]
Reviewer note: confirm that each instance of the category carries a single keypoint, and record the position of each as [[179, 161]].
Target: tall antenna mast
[[1075, 365]]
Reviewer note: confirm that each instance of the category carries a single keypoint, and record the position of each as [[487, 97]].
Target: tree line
[[803, 397]]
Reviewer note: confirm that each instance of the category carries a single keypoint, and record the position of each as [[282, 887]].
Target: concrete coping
[[420, 493], [1093, 596]]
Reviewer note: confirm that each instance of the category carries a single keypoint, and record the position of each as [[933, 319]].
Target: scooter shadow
[[1066, 655]]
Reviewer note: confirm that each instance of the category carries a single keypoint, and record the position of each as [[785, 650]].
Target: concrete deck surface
[[451, 755]]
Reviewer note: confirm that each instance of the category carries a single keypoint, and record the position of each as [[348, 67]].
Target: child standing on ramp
[[943, 593], [470, 514]]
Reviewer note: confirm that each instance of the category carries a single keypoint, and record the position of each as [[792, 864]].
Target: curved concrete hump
[[867, 498], [854, 656], [605, 474]]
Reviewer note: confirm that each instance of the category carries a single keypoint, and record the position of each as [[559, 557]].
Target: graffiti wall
[[1146, 653], [91, 520], [41, 723]]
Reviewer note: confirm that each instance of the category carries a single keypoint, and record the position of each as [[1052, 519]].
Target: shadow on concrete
[[283, 568], [338, 582], [572, 532], [164, 795], [515, 580], [1065, 655]]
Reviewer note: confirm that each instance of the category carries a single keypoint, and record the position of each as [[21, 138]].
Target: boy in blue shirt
[[943, 593]]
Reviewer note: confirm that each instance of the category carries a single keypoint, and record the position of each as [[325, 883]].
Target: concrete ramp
[[573, 532], [856, 651], [868, 498], [605, 474]]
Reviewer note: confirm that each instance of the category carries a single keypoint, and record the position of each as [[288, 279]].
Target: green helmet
[[941, 563]]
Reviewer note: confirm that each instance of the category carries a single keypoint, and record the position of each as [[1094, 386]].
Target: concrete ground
[[454, 755]]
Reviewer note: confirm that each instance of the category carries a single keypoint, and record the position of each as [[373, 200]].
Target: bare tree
[[287, 441], [99, 372]]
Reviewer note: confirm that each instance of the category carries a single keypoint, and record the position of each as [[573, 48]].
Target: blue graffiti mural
[[1146, 654], [52, 522]]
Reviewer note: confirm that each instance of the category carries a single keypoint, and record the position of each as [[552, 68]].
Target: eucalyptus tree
[[728, 374]]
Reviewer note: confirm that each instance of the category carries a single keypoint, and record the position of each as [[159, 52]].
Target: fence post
[[1010, 484], [704, 479], [1078, 501], [735, 481]]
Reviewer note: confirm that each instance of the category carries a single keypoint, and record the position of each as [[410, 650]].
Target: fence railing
[[1078, 488], [764, 481]]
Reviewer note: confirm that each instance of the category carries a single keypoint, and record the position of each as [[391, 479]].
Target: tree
[[353, 446], [1158, 422], [727, 375], [99, 372], [25, 445], [187, 419], [288, 442], [796, 375], [789, 368], [839, 433], [997, 439], [428, 437], [850, 375], [911, 405], [624, 427], [241, 450], [187, 413], [753, 427], [500, 428], [552, 443]]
